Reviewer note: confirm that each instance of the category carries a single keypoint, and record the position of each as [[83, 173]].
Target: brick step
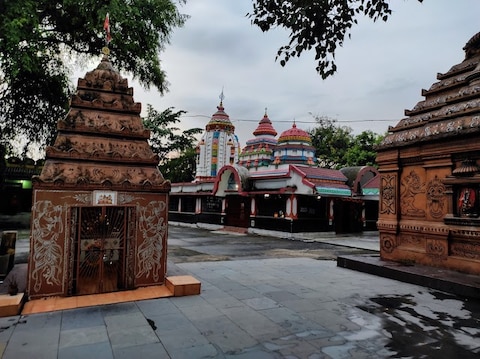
[[235, 229]]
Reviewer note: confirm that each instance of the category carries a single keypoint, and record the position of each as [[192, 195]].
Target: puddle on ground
[[424, 325]]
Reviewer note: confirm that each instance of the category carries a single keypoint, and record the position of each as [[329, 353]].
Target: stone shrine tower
[[218, 146], [99, 217], [430, 174]]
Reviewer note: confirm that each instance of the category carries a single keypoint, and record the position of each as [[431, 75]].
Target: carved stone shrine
[[99, 215], [430, 174]]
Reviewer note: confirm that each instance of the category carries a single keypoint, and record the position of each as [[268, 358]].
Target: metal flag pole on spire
[[108, 37], [221, 97]]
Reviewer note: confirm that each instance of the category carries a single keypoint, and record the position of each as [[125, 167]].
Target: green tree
[[175, 147], [38, 39], [181, 168], [337, 147], [320, 25], [331, 142], [362, 149]]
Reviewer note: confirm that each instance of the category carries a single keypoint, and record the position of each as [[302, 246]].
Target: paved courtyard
[[259, 307]]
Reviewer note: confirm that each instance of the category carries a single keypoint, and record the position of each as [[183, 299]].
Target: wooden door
[[238, 211], [100, 249]]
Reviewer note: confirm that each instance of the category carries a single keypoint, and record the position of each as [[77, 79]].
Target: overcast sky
[[381, 69]]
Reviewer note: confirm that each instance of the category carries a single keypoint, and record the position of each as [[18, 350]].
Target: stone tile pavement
[[260, 308]]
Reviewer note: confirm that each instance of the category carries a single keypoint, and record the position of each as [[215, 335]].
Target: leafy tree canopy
[[320, 25], [181, 168], [362, 150], [175, 148], [337, 147], [39, 39]]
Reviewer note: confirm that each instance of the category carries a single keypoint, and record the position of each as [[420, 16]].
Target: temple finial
[[108, 37], [221, 97]]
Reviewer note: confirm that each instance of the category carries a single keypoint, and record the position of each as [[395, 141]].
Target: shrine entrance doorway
[[238, 211], [100, 247]]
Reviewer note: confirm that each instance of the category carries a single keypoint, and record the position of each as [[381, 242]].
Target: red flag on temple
[[106, 27]]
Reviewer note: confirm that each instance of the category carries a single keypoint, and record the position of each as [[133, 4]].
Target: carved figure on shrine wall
[[411, 186], [467, 202], [436, 199], [388, 190]]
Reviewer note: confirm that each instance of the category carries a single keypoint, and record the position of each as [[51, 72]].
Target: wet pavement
[[261, 297]]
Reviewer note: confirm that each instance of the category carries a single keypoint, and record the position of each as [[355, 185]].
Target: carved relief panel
[[412, 193], [436, 198], [388, 194]]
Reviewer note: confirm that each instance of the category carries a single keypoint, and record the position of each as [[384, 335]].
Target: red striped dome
[[265, 127], [295, 134]]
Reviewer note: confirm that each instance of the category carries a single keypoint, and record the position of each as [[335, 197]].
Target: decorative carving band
[[99, 148], [85, 120], [465, 233], [465, 249], [434, 129], [410, 227], [103, 175], [387, 226], [100, 101], [424, 228]]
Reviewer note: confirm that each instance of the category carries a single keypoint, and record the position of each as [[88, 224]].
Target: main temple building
[[271, 184]]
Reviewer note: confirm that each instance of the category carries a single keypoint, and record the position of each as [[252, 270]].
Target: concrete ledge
[[182, 285], [11, 305], [461, 284]]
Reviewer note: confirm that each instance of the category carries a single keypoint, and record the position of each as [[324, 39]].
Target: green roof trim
[[371, 191], [334, 191]]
